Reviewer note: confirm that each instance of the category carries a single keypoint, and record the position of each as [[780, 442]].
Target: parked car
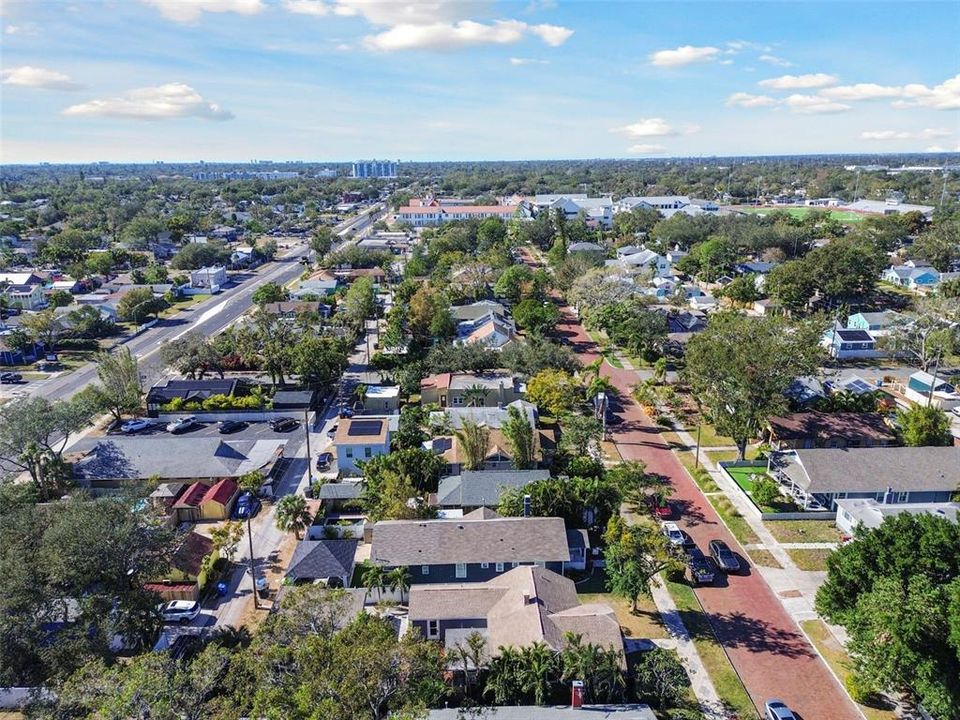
[[332, 431], [663, 510], [324, 460], [181, 611], [673, 533], [134, 426], [182, 425], [283, 424], [701, 571], [777, 710], [723, 556], [8, 378], [247, 505], [231, 426]]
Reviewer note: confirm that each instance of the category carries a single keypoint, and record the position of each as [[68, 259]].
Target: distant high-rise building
[[375, 169]]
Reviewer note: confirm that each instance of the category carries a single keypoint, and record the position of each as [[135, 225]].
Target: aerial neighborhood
[[290, 437]]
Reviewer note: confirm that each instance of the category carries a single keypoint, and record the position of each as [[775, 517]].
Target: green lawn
[[644, 623], [812, 559], [764, 558], [799, 531], [718, 456], [734, 520], [699, 475], [709, 437], [743, 476], [844, 216], [725, 679], [839, 661]]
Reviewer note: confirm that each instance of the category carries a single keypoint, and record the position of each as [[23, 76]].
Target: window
[[514, 564], [902, 497], [433, 629], [349, 452], [484, 566], [499, 567], [367, 452], [424, 569], [461, 570], [458, 400]]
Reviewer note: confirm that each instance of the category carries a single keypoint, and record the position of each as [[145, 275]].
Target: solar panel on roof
[[860, 386], [365, 427]]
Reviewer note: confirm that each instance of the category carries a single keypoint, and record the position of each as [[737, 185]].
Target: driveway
[[768, 650]]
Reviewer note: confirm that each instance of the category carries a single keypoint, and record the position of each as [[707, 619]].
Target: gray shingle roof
[[905, 469], [483, 487], [135, 458], [445, 542], [319, 559], [341, 491]]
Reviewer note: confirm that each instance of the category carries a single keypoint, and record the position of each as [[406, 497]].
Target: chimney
[[501, 394], [526, 506], [526, 598]]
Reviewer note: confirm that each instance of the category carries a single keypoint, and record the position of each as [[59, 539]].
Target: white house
[[644, 259], [362, 438], [912, 276], [209, 277], [944, 395], [870, 513]]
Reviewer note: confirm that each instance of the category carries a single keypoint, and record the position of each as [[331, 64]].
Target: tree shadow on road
[[736, 630]]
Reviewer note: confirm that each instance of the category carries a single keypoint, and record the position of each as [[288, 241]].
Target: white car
[[181, 611], [134, 426], [182, 425], [673, 533]]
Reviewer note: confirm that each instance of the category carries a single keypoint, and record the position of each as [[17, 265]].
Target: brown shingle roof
[[824, 426], [445, 542]]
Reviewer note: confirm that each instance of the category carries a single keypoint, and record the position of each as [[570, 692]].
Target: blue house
[[842, 343], [911, 277], [477, 547], [873, 321]]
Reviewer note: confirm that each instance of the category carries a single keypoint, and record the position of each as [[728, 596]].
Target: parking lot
[[252, 431]]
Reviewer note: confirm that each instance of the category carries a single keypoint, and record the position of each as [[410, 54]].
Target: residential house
[[877, 323], [315, 288], [477, 547], [25, 297], [12, 356], [109, 461], [924, 388], [912, 278], [295, 308], [492, 417], [644, 259], [629, 711], [329, 561], [340, 497], [829, 430], [209, 277], [805, 390], [472, 489], [186, 568], [845, 344], [477, 310], [587, 247], [382, 399], [499, 455], [20, 278], [362, 438], [493, 330], [206, 502], [869, 514], [461, 389], [521, 607], [163, 393], [820, 477]]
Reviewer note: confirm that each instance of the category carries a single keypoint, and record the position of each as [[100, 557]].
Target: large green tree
[[120, 389], [634, 554], [896, 590], [740, 366], [924, 425]]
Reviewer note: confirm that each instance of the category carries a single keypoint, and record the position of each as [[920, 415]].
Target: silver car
[[777, 710]]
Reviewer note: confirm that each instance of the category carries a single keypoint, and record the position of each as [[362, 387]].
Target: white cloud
[[655, 127], [774, 60], [173, 100], [645, 149], [27, 28], [925, 134], [799, 82], [465, 33], [735, 46], [552, 35], [751, 101], [528, 61], [424, 12], [684, 55], [862, 91], [188, 11], [307, 7], [814, 104], [27, 76], [945, 96]]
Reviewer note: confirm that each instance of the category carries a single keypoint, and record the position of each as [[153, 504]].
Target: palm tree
[[519, 434], [398, 579], [372, 577], [537, 666], [360, 394], [504, 681], [471, 656], [592, 370], [474, 442], [475, 396], [660, 370], [600, 384], [293, 515]]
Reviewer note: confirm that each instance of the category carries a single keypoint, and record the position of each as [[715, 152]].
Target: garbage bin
[[222, 589]]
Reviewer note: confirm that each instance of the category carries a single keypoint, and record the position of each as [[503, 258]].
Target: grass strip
[[725, 680], [812, 559], [734, 520], [801, 531]]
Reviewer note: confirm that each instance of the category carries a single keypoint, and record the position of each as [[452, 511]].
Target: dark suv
[[701, 571], [282, 424], [723, 556]]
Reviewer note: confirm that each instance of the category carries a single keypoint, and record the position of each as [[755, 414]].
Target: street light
[[253, 564]]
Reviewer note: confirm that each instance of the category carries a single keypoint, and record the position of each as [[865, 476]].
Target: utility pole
[[696, 457], [306, 431], [253, 565], [933, 383]]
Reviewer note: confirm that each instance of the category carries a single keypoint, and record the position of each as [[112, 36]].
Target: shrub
[[766, 492], [664, 421], [860, 690]]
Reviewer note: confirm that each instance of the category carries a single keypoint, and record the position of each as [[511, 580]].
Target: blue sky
[[142, 80]]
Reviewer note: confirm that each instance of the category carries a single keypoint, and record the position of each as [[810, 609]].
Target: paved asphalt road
[[209, 317]]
